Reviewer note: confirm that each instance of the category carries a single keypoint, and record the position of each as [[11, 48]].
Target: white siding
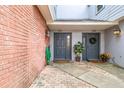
[[79, 12], [115, 45], [110, 12], [71, 12]]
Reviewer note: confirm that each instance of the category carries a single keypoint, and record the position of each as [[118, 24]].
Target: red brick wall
[[22, 45]]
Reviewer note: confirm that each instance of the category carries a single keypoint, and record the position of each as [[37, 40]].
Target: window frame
[[97, 12]]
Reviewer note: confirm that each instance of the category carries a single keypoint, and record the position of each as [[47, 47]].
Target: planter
[[105, 57], [104, 60], [78, 50], [77, 59]]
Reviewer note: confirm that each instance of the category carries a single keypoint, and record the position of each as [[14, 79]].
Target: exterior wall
[[115, 45], [102, 42], [22, 45], [52, 45], [64, 12], [110, 12], [76, 36]]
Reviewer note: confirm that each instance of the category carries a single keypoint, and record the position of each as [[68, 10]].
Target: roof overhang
[[80, 26], [48, 14]]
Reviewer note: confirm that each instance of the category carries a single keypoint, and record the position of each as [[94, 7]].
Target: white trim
[[52, 11], [81, 23]]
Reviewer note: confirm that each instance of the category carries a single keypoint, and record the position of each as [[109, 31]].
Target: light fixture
[[68, 37], [47, 33], [117, 32]]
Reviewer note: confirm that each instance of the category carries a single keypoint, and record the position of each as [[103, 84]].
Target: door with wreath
[[91, 42]]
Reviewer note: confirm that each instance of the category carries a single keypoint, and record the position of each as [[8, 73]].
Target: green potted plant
[[78, 50], [105, 57]]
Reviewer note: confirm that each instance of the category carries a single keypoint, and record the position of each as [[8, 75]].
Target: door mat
[[62, 61]]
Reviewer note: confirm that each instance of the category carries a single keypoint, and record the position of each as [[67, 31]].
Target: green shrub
[[78, 48]]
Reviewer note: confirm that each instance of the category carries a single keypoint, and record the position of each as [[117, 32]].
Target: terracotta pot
[[77, 58], [104, 60]]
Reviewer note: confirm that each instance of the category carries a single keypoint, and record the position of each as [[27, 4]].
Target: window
[[99, 8]]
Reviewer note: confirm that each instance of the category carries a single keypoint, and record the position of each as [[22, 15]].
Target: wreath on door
[[92, 40]]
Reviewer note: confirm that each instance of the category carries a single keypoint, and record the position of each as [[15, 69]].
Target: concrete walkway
[[52, 77], [81, 75]]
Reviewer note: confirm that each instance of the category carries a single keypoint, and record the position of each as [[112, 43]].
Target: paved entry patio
[[80, 75]]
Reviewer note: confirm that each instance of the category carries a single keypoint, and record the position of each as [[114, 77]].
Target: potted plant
[[78, 50], [105, 57]]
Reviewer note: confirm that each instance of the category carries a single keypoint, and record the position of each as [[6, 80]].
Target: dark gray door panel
[[62, 46], [91, 46]]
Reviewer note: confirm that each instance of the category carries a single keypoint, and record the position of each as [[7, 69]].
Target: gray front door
[[62, 46], [91, 43]]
